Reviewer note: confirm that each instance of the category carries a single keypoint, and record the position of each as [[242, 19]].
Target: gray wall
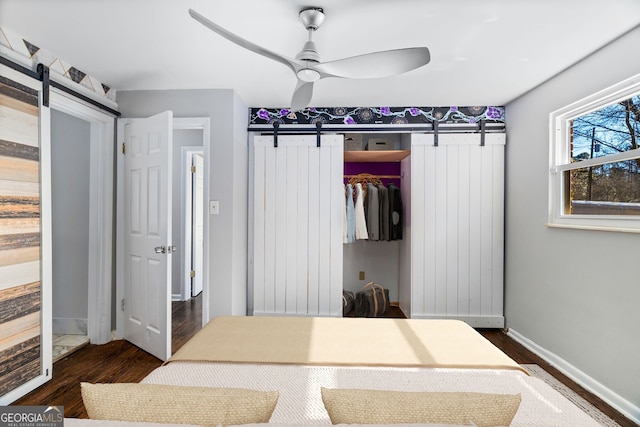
[[227, 182], [575, 293], [70, 139], [380, 262]]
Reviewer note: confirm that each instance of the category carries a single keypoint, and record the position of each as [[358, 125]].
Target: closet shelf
[[376, 155]]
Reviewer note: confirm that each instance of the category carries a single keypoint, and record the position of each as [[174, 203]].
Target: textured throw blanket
[[344, 342]]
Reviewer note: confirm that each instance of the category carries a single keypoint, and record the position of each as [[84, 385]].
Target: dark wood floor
[[120, 361], [116, 361]]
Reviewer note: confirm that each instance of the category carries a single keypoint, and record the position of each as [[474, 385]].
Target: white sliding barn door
[[457, 241], [298, 215]]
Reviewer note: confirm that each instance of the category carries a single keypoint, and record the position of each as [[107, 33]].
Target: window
[[595, 161]]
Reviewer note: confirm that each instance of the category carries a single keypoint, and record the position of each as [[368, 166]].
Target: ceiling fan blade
[[376, 64], [291, 63], [301, 95]]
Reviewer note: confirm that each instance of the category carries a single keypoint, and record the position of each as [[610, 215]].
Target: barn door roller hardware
[[276, 125], [318, 127], [43, 73], [435, 134]]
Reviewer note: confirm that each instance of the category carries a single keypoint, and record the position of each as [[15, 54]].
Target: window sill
[[591, 227]]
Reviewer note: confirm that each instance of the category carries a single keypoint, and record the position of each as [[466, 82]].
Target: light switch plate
[[214, 207]]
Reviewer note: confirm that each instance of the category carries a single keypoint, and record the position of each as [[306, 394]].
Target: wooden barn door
[[25, 335], [298, 216], [457, 228]]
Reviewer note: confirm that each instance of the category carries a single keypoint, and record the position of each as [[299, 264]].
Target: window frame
[[560, 160]]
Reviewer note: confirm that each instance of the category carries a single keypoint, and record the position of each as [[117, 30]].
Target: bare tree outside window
[[608, 188]]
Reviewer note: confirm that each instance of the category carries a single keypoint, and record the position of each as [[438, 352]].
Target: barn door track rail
[[435, 128], [42, 74], [276, 127]]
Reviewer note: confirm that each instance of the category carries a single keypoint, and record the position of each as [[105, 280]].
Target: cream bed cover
[[344, 342]]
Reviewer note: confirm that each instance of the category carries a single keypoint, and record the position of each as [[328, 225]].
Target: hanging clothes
[[351, 215], [361, 222], [373, 212], [344, 216], [395, 213], [383, 199]]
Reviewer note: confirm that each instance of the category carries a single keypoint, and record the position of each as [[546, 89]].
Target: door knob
[[160, 249]]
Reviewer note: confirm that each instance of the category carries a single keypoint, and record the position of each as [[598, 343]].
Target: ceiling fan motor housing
[[309, 52], [312, 17]]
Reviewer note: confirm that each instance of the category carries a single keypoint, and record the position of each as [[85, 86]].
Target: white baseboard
[[493, 322], [66, 326], [616, 401], [274, 314]]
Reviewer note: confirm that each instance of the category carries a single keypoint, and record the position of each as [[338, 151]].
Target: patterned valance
[[377, 115]]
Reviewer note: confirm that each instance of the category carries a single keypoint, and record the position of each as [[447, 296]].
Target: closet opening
[[188, 219], [70, 217], [372, 250], [82, 151]]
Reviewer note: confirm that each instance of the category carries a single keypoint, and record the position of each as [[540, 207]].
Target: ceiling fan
[[308, 67]]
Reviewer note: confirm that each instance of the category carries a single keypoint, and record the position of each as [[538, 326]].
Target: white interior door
[[148, 245], [198, 224]]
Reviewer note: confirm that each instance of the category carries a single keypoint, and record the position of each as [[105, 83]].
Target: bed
[[303, 358]]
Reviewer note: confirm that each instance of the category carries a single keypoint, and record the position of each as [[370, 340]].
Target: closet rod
[[377, 176], [38, 76]]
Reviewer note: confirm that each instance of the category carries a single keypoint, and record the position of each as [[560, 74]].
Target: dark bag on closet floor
[[348, 302], [372, 301]]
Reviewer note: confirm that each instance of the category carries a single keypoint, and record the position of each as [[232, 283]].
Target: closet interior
[[374, 158]]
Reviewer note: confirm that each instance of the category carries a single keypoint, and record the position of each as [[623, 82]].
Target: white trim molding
[[100, 280], [625, 407], [473, 321], [560, 141], [203, 123]]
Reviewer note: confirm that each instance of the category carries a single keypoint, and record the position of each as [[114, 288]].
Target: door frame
[[201, 123], [100, 279], [186, 221]]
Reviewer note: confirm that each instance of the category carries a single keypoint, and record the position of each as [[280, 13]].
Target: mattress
[[299, 387]]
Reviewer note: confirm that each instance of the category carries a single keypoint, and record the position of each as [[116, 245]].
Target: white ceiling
[[482, 52]]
